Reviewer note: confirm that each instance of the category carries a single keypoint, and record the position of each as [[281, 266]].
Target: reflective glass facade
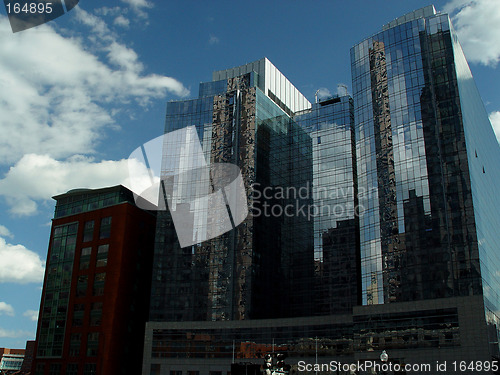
[[401, 252], [270, 253], [336, 338], [55, 304], [410, 333], [426, 154], [330, 124], [483, 155], [87, 200]]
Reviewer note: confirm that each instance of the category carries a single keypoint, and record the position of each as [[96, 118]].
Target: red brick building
[[97, 284], [29, 354]]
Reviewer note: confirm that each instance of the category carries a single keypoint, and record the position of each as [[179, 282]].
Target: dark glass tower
[[403, 238], [330, 124], [260, 287], [427, 163], [264, 267]]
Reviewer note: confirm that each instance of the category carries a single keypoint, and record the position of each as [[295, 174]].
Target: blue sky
[[79, 94]]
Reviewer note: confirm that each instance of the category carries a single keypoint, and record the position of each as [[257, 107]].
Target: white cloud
[[495, 122], [138, 3], [138, 6], [4, 232], [55, 177], [118, 13], [57, 97], [31, 314], [477, 23], [323, 93], [111, 11], [13, 334], [124, 57], [6, 309], [20, 265], [213, 40], [121, 21]]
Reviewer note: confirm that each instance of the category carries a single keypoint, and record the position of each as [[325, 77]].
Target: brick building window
[[99, 279], [89, 369], [88, 231], [105, 229], [92, 344]]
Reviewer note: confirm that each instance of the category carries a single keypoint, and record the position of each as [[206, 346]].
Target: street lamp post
[[384, 357]]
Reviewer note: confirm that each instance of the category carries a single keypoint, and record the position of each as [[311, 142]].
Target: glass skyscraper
[[259, 287], [398, 251], [242, 118], [427, 167]]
